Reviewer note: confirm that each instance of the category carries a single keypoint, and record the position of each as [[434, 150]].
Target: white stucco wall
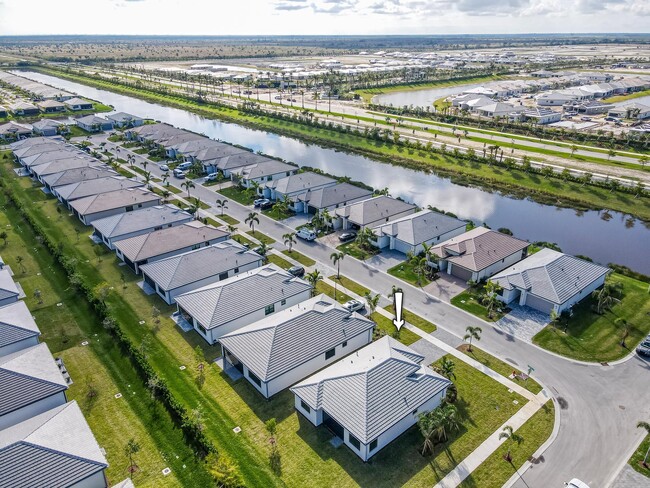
[[29, 411], [87, 219]]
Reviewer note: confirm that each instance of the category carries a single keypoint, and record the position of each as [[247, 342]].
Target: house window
[[345, 343], [283, 301], [373, 445], [139, 205], [236, 270], [354, 442], [129, 208], [288, 173], [157, 228], [254, 378], [305, 407], [415, 412], [201, 328], [269, 178], [330, 353], [269, 309], [223, 276]]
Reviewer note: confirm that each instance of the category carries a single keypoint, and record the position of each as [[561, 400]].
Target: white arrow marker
[[398, 298]]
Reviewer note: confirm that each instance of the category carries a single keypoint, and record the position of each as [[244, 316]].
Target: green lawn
[[414, 319], [593, 337], [636, 461], [243, 240], [385, 325], [322, 287], [261, 237], [275, 215], [622, 98], [353, 249], [504, 369], [301, 258], [495, 470], [469, 301], [228, 219], [406, 271], [277, 260], [237, 194], [351, 285]]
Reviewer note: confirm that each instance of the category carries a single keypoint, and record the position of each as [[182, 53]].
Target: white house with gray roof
[[167, 242], [550, 280], [53, 449], [185, 272], [9, 291], [77, 103], [276, 352], [93, 123], [86, 188], [76, 175], [17, 328], [410, 233], [95, 207], [371, 212], [130, 224], [47, 127], [31, 383], [268, 170], [294, 185], [330, 198], [478, 254], [372, 396], [63, 164], [226, 306], [123, 119]]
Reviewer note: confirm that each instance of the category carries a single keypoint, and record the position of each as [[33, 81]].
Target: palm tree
[[188, 185], [336, 258], [232, 229], [446, 420], [165, 178], [420, 266], [646, 426], [509, 434], [313, 278], [222, 203], [428, 431], [289, 240], [194, 207], [446, 368], [472, 333], [147, 179], [281, 207], [625, 326], [262, 250], [372, 301], [364, 238], [251, 220], [605, 296], [490, 298], [19, 260]]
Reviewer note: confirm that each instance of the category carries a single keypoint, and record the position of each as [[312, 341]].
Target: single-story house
[[185, 272], [17, 328], [51, 106], [78, 104], [43, 154], [224, 307], [370, 398], [81, 189], [278, 351], [167, 242], [31, 383], [408, 234], [47, 127], [24, 108], [371, 212], [294, 185], [590, 107], [123, 119], [269, 170], [93, 123], [554, 99], [330, 198], [37, 145], [54, 448], [141, 221], [632, 110], [13, 131], [478, 254], [231, 161], [542, 115], [549, 280], [103, 205], [61, 163], [76, 175], [186, 144], [9, 292]]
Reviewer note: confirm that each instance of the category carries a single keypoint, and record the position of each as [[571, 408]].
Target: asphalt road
[[599, 405]]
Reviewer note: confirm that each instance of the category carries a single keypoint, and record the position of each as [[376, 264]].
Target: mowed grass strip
[[414, 319], [301, 258], [351, 285]]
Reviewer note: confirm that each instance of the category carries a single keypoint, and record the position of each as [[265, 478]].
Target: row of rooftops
[[37, 89]]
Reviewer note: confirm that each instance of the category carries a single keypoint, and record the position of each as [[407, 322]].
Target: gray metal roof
[[77, 101], [374, 209], [16, 323], [81, 161], [301, 181], [372, 389], [46, 123], [167, 240], [281, 342], [235, 160], [238, 296], [53, 449], [420, 227], [95, 186], [122, 117], [27, 376], [112, 200], [551, 275], [92, 120], [265, 168], [38, 155], [78, 174], [478, 248], [34, 141], [193, 266], [40, 145], [340, 194], [141, 220], [8, 287]]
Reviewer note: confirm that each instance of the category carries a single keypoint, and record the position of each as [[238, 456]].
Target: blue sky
[[221, 17]]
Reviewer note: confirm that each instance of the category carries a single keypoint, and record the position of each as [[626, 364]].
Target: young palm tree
[[625, 327], [446, 368], [372, 301], [188, 185], [606, 296], [251, 220], [165, 178], [289, 240], [336, 258], [428, 431], [222, 203], [490, 297], [509, 434], [446, 420], [281, 206], [646, 426], [313, 278], [147, 179], [194, 207], [262, 250], [232, 229], [472, 333]]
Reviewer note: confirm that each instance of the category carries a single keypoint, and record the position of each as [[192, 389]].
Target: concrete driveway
[[523, 322], [446, 287]]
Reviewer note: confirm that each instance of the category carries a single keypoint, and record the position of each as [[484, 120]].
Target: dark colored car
[[644, 348], [347, 236], [265, 205], [298, 271]]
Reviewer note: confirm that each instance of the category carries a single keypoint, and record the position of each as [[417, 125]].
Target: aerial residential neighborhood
[[324, 244]]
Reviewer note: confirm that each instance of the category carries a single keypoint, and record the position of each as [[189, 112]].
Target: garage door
[[539, 304], [462, 273]]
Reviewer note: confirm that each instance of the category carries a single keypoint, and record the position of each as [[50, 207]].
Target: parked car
[[298, 271], [179, 173], [278, 97], [354, 305], [164, 167], [306, 234], [260, 201], [347, 236], [184, 166], [643, 349], [212, 177], [576, 483], [611, 119], [585, 119], [266, 205]]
